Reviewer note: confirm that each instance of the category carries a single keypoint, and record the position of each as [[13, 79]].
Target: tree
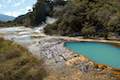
[[88, 31], [102, 17]]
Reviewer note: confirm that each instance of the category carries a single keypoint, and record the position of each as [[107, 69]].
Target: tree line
[[89, 18], [41, 10]]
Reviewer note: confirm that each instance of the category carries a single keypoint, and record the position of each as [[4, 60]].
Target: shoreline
[[111, 42], [90, 40], [103, 67], [53, 50]]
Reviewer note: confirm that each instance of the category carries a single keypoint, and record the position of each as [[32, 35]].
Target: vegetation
[[16, 63], [89, 18], [41, 10], [8, 24], [37, 15]]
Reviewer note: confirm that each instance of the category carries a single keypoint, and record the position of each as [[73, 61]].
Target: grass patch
[[16, 63]]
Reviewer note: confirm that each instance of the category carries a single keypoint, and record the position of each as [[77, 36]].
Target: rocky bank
[[58, 59]]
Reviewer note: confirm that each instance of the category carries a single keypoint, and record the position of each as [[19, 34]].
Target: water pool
[[99, 52]]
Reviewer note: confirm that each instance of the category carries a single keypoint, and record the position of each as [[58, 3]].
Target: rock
[[116, 73], [76, 60], [101, 66], [81, 62]]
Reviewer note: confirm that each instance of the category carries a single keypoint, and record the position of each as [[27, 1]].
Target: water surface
[[99, 52]]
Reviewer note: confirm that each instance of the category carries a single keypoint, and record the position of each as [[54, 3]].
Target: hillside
[[27, 53], [41, 10], [6, 18], [88, 18], [16, 63]]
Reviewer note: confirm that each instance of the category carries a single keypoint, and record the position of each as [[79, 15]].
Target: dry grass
[[16, 63]]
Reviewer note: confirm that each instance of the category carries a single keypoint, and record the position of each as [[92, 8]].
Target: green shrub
[[88, 18]]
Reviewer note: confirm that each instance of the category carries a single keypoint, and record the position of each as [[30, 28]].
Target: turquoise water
[[99, 52]]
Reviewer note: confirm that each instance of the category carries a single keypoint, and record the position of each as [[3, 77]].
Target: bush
[[98, 17], [16, 63]]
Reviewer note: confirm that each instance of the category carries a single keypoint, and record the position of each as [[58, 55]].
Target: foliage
[[8, 24], [97, 17], [16, 63], [41, 10], [36, 16]]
